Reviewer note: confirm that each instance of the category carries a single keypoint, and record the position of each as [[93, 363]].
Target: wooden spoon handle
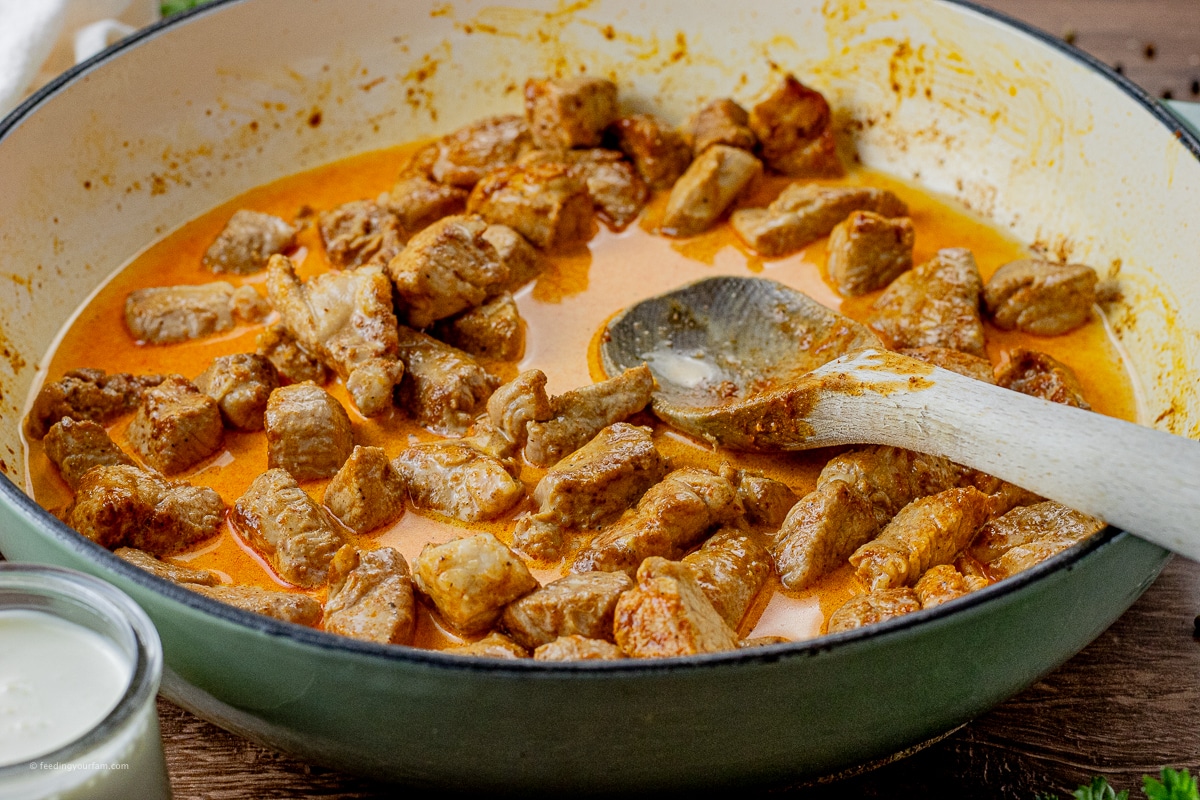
[[1137, 478]]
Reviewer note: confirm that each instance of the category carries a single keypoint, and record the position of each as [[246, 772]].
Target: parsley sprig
[[1169, 785]]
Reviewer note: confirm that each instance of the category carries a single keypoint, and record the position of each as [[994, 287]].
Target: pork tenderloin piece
[[247, 241], [167, 570], [75, 447], [766, 500], [122, 505], [618, 193], [86, 394], [1040, 375], [169, 314], [293, 532], [547, 203], [933, 305], [731, 568], [493, 331], [453, 478], [659, 152], [709, 187], [291, 361], [569, 112], [794, 126], [285, 606], [519, 402], [417, 201], [241, 383], [463, 157], [577, 648], [176, 426], [574, 605], [804, 212], [520, 258], [1027, 535], [720, 121], [471, 580], [941, 584], [867, 251], [873, 607], [370, 596], [367, 492], [494, 645], [360, 233], [443, 388], [1040, 297], [309, 434], [667, 614]]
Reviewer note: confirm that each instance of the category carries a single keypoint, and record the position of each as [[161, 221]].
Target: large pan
[[1022, 128]]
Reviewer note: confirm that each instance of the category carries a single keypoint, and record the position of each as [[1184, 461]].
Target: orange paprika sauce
[[563, 310]]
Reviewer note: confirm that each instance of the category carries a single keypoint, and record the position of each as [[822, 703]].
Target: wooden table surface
[[1127, 705]]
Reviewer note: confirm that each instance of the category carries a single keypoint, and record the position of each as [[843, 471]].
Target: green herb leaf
[[1100, 789], [1172, 786], [170, 7]]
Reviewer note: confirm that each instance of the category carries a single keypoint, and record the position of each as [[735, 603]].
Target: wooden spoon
[[751, 364]]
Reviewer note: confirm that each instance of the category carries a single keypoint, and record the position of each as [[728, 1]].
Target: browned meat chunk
[[573, 605], [577, 648], [523, 261], [977, 367], [1040, 297], [494, 645], [346, 319], [618, 193], [167, 314], [168, 571], [492, 331], [867, 251], [767, 501], [176, 426], [590, 487], [417, 201], [443, 387], [241, 384], [569, 112], [667, 614], [247, 241], [857, 494], [672, 516], [121, 505], [659, 152], [366, 492], [942, 584], [582, 413], [455, 479], [469, 153], [926, 532], [935, 304], [471, 580], [708, 188], [308, 432], [446, 268], [804, 212], [730, 568], [290, 529], [547, 203], [287, 606], [291, 361], [873, 607], [360, 233], [75, 447], [517, 403], [371, 596], [1040, 375], [86, 394], [794, 127], [720, 121], [1027, 535]]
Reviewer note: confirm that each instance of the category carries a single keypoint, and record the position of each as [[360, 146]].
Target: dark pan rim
[[38, 517]]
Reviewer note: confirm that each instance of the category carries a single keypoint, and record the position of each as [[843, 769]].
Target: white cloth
[[41, 38]]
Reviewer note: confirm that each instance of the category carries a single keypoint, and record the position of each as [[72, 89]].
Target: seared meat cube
[[517, 403], [671, 517], [492, 331], [247, 241], [767, 501], [941, 584], [469, 153], [730, 568], [360, 233], [867, 251], [926, 532], [366, 492], [659, 152], [443, 387], [455, 479], [977, 367], [1040, 297], [873, 607], [446, 268], [86, 394], [514, 251], [75, 447], [241, 384], [371, 596], [708, 188], [794, 127], [417, 201], [494, 645], [346, 319], [1027, 535], [290, 360], [617, 191], [857, 493], [720, 121], [308, 432], [175, 573], [569, 112], [577, 648], [582, 413], [471, 580], [287, 606], [935, 304], [291, 530], [547, 203], [1040, 375], [589, 487], [667, 614], [121, 505], [176, 426], [574, 605], [166, 314], [804, 212]]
